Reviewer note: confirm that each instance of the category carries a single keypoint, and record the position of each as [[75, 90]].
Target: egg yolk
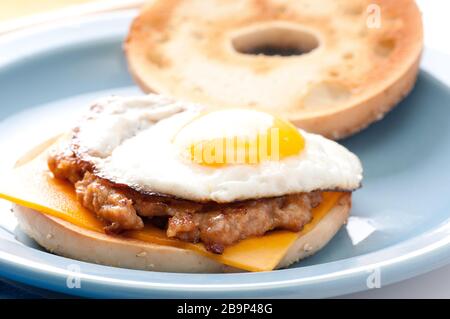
[[239, 137]]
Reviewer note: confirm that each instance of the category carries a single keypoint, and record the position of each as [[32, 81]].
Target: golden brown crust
[[356, 75]]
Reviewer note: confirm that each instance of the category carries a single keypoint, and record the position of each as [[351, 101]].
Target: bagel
[[330, 67], [66, 239]]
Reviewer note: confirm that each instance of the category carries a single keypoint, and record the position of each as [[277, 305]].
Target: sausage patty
[[216, 225]]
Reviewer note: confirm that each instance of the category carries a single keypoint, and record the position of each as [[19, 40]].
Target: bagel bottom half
[[68, 240]]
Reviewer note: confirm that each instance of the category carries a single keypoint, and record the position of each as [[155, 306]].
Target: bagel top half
[[331, 67]]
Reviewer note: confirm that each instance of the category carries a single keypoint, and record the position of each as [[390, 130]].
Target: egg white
[[147, 158]]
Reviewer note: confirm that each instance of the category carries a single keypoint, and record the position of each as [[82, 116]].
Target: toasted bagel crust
[[366, 59], [66, 239]]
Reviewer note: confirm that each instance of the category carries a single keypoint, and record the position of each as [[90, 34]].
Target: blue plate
[[401, 217]]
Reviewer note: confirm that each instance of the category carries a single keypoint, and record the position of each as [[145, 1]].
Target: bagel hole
[[275, 41]]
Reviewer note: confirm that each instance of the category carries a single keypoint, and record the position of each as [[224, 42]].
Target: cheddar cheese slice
[[32, 185]]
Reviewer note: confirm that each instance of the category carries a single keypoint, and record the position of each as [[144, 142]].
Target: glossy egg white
[[136, 142]]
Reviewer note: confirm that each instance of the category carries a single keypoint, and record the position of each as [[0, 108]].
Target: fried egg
[[157, 145]]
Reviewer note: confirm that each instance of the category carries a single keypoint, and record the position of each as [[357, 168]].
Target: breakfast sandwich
[[152, 183]]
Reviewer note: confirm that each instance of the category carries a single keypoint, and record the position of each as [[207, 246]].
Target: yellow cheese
[[32, 185]]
